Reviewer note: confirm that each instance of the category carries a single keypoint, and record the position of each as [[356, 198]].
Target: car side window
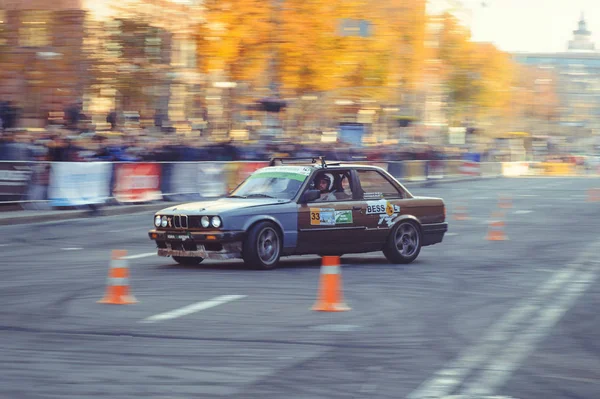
[[375, 185], [333, 185]]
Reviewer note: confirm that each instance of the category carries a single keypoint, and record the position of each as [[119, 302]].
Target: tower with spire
[[581, 38]]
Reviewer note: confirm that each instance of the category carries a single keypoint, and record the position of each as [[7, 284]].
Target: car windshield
[[281, 182]]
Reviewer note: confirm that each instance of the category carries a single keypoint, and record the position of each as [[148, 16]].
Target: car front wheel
[[262, 247], [404, 243], [188, 260]]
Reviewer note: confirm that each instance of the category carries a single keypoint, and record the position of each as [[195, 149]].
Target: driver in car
[[323, 184]]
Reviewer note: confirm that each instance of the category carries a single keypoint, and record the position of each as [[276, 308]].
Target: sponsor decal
[[387, 211], [391, 208], [300, 170], [387, 219], [343, 217], [381, 206], [322, 217], [376, 207]]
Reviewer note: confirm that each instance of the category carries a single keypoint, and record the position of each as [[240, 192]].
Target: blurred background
[[199, 80], [491, 105]]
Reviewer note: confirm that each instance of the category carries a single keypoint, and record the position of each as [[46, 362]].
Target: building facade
[[104, 55], [578, 73], [41, 64]]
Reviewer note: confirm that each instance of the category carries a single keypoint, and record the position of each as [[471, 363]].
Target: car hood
[[218, 206]]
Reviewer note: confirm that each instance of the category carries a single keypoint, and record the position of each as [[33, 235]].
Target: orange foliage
[[240, 36]]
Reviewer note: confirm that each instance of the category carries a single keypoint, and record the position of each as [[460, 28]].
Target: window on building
[[189, 53], [153, 45], [34, 30], [184, 53]]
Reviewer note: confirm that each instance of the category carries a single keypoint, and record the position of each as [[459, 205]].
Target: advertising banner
[[470, 168], [137, 182], [470, 165], [512, 169], [195, 181], [79, 183], [14, 180]]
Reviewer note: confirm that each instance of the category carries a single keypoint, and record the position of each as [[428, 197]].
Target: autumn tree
[[303, 37], [236, 38]]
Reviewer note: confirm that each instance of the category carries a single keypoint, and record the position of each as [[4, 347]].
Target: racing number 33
[[315, 216]]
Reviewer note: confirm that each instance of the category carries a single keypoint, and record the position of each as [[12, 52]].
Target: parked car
[[293, 209]]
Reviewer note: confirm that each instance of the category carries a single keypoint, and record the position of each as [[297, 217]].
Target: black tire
[[187, 260], [404, 243], [262, 247]]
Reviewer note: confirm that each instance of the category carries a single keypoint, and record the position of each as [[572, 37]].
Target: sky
[[532, 25]]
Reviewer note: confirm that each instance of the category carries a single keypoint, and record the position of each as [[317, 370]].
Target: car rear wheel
[[404, 243], [262, 248], [187, 260]]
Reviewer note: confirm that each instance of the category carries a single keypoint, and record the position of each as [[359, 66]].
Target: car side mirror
[[310, 195]]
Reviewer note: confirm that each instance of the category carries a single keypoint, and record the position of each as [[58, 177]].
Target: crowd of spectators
[[59, 145]]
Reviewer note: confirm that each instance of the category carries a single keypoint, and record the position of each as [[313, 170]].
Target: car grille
[[180, 222]]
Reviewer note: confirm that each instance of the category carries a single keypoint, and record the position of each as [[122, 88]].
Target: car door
[[335, 225], [383, 203]]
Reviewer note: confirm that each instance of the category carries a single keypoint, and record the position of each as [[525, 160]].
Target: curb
[[53, 216]]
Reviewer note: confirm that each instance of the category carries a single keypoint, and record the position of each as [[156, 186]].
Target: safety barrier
[[43, 185]]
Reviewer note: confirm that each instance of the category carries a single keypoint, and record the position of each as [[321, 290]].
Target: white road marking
[[528, 195], [72, 249], [451, 234], [447, 379], [196, 307], [567, 284], [139, 256], [524, 212], [499, 371]]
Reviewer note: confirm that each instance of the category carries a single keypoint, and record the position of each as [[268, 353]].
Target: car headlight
[[216, 221], [157, 221], [163, 222], [205, 221]]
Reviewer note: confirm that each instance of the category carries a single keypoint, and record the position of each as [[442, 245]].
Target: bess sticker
[[386, 210], [376, 207], [381, 207], [322, 217]]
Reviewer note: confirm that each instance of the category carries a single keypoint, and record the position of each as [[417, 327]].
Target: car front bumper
[[206, 245]]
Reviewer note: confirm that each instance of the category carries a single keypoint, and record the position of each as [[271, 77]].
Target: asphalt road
[[471, 318]]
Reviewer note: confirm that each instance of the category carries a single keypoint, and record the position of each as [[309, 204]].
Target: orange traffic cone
[[460, 212], [117, 290], [496, 228], [330, 290], [505, 202], [593, 195]]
